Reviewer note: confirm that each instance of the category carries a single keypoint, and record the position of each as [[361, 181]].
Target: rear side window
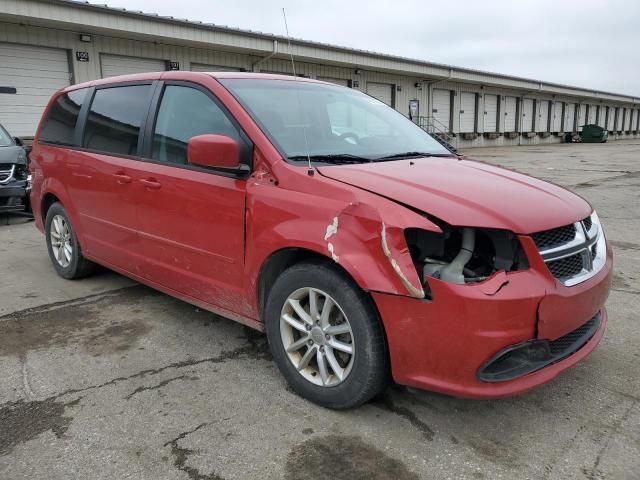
[[114, 120], [60, 125], [185, 113]]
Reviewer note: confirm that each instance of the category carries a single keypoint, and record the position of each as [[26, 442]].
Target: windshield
[[5, 138], [330, 123]]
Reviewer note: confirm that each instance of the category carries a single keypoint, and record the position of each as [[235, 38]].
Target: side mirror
[[214, 151], [18, 141]]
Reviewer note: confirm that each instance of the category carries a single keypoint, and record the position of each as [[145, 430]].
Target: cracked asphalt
[[105, 379]]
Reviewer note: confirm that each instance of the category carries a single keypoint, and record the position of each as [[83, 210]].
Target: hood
[[12, 154], [467, 193]]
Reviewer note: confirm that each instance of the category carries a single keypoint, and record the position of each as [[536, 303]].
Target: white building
[[48, 44]]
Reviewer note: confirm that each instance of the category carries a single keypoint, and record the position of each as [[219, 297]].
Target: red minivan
[[365, 249]]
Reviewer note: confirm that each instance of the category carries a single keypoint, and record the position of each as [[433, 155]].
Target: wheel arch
[[53, 190], [274, 265], [48, 199], [279, 261]]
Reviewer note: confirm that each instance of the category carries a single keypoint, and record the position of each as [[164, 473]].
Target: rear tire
[[310, 343], [62, 243]]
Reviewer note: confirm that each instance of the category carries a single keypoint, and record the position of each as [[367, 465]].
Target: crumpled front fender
[[372, 243], [363, 234]]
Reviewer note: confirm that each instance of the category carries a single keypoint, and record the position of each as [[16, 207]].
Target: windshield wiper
[[397, 156], [337, 158]]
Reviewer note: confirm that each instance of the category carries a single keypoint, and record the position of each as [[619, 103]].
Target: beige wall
[[405, 85]]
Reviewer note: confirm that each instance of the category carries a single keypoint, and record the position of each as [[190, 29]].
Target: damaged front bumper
[[446, 344], [518, 360], [14, 196]]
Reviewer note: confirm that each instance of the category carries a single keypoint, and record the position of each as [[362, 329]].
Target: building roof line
[[579, 91]]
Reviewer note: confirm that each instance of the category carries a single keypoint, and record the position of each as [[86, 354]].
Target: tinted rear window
[[60, 125], [115, 117]]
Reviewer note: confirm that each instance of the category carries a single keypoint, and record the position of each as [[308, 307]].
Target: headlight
[[21, 172], [598, 250]]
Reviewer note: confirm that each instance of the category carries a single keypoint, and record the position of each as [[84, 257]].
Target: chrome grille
[[554, 237], [573, 253], [566, 267], [6, 173]]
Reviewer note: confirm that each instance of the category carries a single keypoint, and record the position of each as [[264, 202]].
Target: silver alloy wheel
[[317, 337], [60, 232]]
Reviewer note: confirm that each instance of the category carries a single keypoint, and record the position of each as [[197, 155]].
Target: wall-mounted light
[[357, 71], [85, 37], [398, 88], [418, 85]]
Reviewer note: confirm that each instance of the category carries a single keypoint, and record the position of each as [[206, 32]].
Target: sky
[[586, 43]]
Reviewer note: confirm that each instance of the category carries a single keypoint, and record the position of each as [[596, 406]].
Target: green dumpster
[[594, 134]]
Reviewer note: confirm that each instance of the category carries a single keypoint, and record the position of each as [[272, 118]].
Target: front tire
[[325, 336], [62, 244]]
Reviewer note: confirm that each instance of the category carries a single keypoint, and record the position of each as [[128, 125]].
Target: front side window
[[184, 113], [330, 123], [115, 117], [60, 125]]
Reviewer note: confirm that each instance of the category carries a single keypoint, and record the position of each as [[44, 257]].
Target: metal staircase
[[439, 131]]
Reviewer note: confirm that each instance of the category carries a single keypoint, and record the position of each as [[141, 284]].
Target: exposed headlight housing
[[464, 255]]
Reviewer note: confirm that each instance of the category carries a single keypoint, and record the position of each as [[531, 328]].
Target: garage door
[[467, 112], [591, 116], [203, 67], [527, 115], [618, 126], [570, 117], [627, 119], [381, 91], [338, 81], [441, 109], [28, 78], [600, 115], [113, 65], [543, 116], [556, 122], [510, 114], [611, 119], [490, 113], [582, 116]]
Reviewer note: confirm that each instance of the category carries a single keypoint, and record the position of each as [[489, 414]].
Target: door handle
[[122, 178], [151, 183]]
